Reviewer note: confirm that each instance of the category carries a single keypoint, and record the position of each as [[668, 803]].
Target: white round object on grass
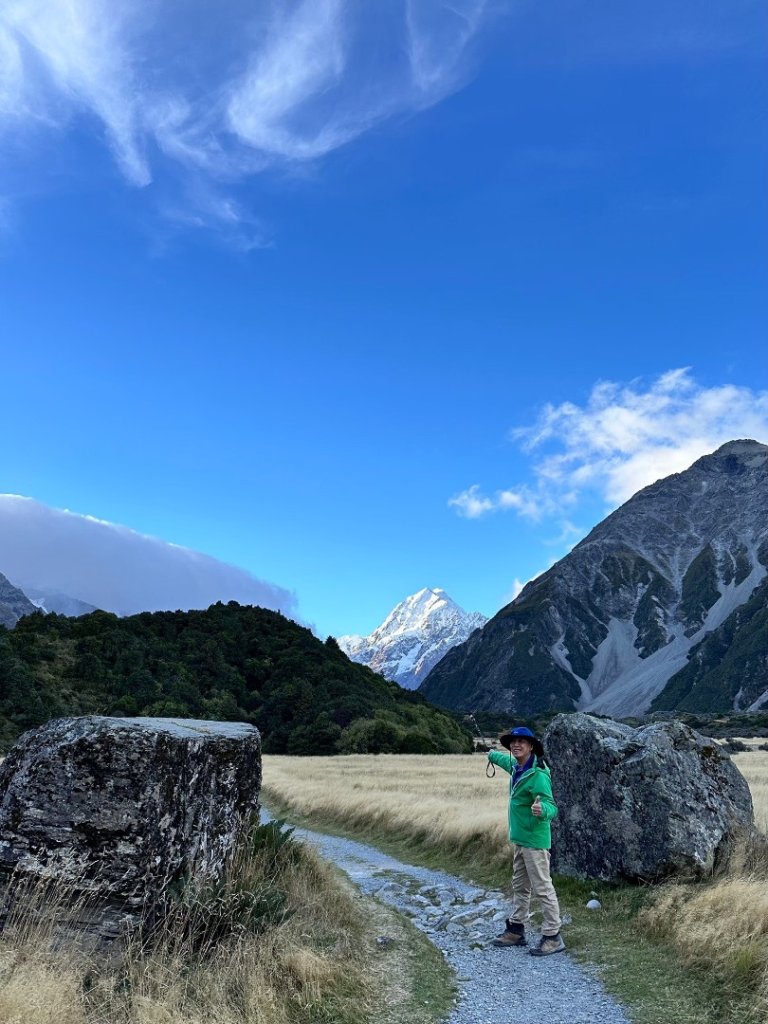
[[594, 905]]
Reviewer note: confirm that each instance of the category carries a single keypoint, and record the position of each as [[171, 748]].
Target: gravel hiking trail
[[460, 919]]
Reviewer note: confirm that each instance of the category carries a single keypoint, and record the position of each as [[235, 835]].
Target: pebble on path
[[461, 919]]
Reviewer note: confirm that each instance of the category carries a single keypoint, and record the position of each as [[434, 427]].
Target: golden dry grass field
[[439, 802], [443, 801], [445, 811], [754, 767]]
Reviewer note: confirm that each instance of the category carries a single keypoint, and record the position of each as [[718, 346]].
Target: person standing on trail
[[531, 808]]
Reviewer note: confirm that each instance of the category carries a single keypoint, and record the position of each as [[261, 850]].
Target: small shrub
[[734, 746], [246, 900], [417, 743]]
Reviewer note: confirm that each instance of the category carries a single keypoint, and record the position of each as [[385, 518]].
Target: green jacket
[[525, 829]]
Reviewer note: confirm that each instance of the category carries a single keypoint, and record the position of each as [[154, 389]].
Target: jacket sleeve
[[543, 788], [498, 757]]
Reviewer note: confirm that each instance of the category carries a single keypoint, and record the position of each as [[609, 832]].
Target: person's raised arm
[[501, 759]]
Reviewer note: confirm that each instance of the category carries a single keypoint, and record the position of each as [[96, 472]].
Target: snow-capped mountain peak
[[413, 637]]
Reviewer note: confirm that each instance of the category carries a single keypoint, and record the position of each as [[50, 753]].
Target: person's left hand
[[536, 810]]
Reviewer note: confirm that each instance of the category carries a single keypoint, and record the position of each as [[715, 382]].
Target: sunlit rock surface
[[641, 804]]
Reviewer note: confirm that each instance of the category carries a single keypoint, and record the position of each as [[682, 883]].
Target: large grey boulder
[[641, 804], [120, 808]]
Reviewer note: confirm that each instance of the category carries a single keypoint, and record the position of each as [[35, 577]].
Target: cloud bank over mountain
[[116, 568]]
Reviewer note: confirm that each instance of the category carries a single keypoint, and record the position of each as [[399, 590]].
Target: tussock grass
[[35, 989], [686, 952], [754, 767], [719, 928], [441, 805], [720, 931], [225, 955]]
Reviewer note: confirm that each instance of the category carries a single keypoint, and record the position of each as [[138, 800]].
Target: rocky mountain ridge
[[414, 637], [13, 603], [18, 601], [665, 578]]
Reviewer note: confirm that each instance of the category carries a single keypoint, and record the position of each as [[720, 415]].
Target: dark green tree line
[[229, 662]]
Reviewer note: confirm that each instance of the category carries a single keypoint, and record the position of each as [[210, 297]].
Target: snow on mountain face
[[616, 624], [413, 637]]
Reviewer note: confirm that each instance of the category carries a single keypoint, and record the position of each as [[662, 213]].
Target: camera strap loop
[[492, 766]]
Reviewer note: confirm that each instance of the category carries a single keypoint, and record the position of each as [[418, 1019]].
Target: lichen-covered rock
[[643, 803], [122, 807]]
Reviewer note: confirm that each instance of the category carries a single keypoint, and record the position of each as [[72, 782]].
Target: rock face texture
[[413, 637], [640, 804], [121, 807], [614, 625], [13, 603]]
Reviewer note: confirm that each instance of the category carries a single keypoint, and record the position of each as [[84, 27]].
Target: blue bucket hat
[[525, 733]]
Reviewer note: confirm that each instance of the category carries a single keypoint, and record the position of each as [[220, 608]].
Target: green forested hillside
[[229, 662]]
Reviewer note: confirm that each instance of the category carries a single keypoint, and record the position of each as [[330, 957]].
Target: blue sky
[[365, 298]]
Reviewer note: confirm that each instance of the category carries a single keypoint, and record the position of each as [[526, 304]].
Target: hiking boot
[[513, 935], [548, 944]]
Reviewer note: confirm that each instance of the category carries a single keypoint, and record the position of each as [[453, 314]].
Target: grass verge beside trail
[[659, 969], [639, 970], [417, 984], [284, 939]]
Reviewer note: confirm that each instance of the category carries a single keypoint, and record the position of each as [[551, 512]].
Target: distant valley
[[15, 602], [663, 607]]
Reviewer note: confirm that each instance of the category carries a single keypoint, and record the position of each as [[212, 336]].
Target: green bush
[[247, 899]]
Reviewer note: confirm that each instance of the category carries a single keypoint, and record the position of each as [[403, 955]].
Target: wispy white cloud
[[568, 536], [302, 58], [519, 585], [219, 93], [437, 37], [116, 568], [200, 206], [69, 57], [622, 439], [471, 504]]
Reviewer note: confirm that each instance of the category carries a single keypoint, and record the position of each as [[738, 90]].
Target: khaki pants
[[530, 874]]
